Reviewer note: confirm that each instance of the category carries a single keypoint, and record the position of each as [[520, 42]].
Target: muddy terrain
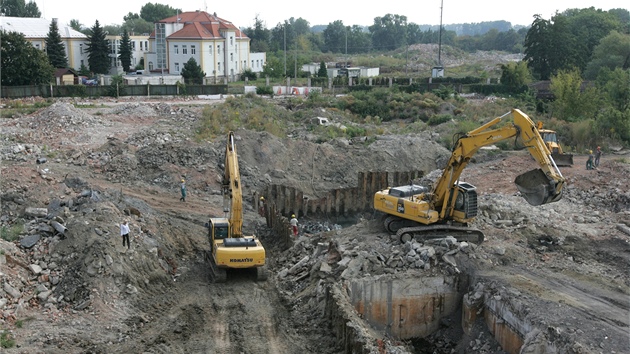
[[71, 175]]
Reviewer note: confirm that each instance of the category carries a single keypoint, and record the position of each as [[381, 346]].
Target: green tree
[[574, 100], [84, 71], [612, 52], [335, 36], [615, 86], [515, 75], [192, 72], [156, 12], [54, 47], [389, 32], [274, 67], [21, 63], [359, 41], [137, 26], [587, 27], [98, 50], [18, 8], [130, 16], [539, 47], [76, 25], [259, 36], [125, 54], [322, 72]]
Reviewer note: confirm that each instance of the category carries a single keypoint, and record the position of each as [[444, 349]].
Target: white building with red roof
[[217, 45]]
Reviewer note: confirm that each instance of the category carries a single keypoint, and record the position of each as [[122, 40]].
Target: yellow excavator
[[417, 212], [229, 248], [551, 140]]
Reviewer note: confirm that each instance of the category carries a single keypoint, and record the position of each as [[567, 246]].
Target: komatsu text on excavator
[[229, 248], [418, 212]]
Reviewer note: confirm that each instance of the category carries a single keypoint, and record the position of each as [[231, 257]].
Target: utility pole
[[440, 39], [346, 48], [285, 49]]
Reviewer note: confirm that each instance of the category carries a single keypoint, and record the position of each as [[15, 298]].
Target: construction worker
[[183, 190], [598, 155], [589, 162], [294, 225], [261, 206]]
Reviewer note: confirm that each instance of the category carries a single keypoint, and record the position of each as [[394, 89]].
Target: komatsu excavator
[[418, 212], [229, 248]]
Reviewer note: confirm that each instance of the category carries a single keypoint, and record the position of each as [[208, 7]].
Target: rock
[[13, 292], [36, 269], [3, 302], [498, 250], [29, 241], [325, 268], [131, 289], [36, 212]]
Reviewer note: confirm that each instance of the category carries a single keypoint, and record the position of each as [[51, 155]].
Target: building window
[[133, 45], [193, 50], [146, 45], [176, 48], [150, 65], [219, 66], [219, 49], [80, 48], [82, 62], [231, 41], [231, 56], [176, 67], [210, 50], [184, 49]]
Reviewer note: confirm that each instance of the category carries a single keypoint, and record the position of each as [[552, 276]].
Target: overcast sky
[[321, 12]]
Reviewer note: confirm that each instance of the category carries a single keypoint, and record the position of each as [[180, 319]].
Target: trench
[[412, 309]]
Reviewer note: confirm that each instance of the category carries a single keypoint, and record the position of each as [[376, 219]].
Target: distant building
[[139, 47], [340, 70], [218, 46], [35, 30]]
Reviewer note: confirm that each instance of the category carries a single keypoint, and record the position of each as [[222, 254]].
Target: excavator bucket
[[536, 187], [563, 159]]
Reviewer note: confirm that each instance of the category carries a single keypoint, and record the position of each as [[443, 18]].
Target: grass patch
[[6, 340], [248, 111], [11, 233]]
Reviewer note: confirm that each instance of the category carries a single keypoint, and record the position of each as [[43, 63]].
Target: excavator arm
[[232, 191], [539, 186]]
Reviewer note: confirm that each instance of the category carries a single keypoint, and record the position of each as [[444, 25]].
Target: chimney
[[55, 20]]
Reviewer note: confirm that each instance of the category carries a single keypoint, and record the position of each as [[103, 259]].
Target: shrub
[[249, 74], [439, 119], [264, 90]]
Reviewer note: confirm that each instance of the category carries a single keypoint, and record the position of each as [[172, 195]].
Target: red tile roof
[[201, 25]]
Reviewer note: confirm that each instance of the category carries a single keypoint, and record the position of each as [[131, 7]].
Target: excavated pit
[[412, 309]]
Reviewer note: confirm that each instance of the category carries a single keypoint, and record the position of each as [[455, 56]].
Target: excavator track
[[219, 275], [429, 232]]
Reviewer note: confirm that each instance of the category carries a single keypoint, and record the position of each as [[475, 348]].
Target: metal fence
[[98, 91]]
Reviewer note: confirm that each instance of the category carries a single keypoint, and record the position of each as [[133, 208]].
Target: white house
[[218, 46], [139, 47], [35, 30]]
